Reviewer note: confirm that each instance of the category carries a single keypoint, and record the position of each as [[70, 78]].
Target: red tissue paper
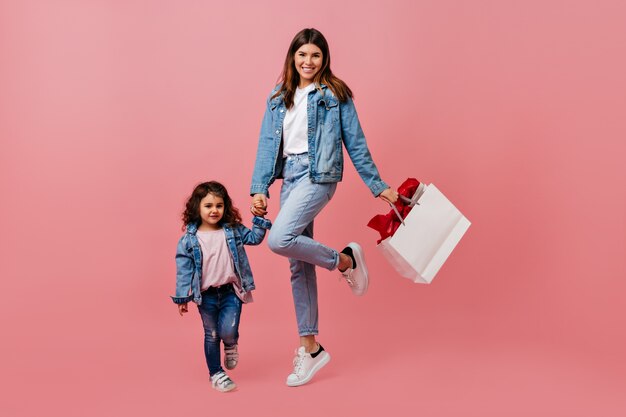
[[387, 224]]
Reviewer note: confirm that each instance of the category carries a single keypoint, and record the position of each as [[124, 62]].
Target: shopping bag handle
[[393, 206], [413, 200], [408, 201]]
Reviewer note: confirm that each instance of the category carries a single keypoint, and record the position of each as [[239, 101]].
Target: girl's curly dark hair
[[191, 215]]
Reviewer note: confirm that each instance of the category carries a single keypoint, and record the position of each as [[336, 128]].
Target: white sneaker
[[221, 382], [231, 357], [305, 366], [356, 277]]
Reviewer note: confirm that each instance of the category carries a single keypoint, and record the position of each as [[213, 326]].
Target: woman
[[309, 115]]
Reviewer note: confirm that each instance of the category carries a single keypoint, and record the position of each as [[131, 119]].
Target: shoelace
[[297, 363], [347, 274]]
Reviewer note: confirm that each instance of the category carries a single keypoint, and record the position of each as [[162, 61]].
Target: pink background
[[111, 111]]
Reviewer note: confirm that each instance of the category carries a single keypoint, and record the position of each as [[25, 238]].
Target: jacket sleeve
[[184, 273], [257, 234], [264, 162], [356, 145]]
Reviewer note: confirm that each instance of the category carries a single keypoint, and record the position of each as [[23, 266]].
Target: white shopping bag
[[426, 237]]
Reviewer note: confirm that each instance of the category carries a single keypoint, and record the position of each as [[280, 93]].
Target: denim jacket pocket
[[328, 112]]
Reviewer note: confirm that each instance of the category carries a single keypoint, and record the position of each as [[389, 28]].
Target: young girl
[[308, 120], [212, 270]]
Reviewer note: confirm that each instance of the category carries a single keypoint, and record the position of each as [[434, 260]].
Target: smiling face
[[211, 212], [308, 62]]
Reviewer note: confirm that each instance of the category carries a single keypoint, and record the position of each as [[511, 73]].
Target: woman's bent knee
[[279, 244]]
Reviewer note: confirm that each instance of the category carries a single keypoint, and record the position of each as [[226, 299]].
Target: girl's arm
[[257, 234], [184, 273]]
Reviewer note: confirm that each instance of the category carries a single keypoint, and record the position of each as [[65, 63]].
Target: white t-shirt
[[217, 264], [295, 136]]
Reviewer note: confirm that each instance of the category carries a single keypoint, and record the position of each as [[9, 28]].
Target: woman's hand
[[389, 195], [258, 207], [182, 308]]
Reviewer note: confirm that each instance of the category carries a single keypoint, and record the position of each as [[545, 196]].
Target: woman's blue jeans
[[220, 311], [292, 236]]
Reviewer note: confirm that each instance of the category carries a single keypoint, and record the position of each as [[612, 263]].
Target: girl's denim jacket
[[329, 124], [189, 258]]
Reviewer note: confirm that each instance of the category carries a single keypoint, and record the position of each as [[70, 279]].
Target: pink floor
[[402, 356]]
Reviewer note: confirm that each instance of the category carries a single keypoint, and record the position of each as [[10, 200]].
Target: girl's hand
[[182, 308], [389, 195], [258, 207]]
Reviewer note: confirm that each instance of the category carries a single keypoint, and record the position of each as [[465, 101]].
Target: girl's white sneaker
[[222, 382], [305, 366]]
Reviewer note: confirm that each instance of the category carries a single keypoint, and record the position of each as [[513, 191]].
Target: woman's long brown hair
[[290, 78]]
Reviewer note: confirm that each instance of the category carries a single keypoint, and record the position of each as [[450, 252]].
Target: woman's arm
[[356, 145], [265, 158]]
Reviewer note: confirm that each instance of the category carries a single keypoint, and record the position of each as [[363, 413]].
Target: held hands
[[389, 195], [182, 308], [258, 206]]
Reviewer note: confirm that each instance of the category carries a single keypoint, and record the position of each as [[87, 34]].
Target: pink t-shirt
[[217, 263]]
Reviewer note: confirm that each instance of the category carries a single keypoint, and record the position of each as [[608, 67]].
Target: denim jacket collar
[[279, 98]]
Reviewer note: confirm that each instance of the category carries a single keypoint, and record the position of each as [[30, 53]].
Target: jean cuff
[[336, 261], [182, 300], [262, 222]]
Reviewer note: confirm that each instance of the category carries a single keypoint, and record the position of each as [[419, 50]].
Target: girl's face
[[308, 62], [211, 211]]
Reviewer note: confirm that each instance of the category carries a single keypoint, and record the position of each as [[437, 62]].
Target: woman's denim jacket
[[329, 123], [189, 258]]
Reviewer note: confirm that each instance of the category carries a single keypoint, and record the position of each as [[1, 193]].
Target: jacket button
[[277, 132], [282, 110]]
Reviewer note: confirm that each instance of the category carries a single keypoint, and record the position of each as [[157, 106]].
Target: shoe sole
[[232, 387], [316, 368], [357, 251]]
